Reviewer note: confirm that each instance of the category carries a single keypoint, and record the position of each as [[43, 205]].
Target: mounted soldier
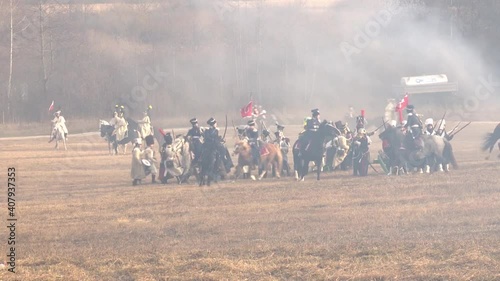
[[194, 135], [58, 121], [414, 128], [253, 139], [311, 129], [120, 126]]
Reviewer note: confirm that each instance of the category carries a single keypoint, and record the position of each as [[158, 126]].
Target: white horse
[[58, 132]]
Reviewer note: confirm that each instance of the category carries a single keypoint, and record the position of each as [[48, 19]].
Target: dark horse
[[490, 139], [211, 163], [107, 132], [312, 149], [392, 145]]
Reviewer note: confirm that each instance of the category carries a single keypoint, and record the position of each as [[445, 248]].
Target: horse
[[270, 155], [307, 150], [392, 145], [436, 150], [58, 132], [211, 163], [490, 139], [107, 129]]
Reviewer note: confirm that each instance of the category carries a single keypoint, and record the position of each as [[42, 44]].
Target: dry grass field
[[79, 218]]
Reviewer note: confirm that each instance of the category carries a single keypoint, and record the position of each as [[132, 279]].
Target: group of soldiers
[[340, 150]]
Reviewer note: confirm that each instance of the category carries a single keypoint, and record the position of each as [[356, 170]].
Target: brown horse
[[270, 155]]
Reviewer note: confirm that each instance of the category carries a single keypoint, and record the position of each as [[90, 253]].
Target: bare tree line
[[87, 59]]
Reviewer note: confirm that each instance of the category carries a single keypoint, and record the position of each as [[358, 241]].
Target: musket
[[374, 168], [460, 129], [441, 121], [451, 132], [383, 125]]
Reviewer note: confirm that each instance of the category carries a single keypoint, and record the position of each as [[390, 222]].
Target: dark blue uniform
[[253, 137], [195, 134]]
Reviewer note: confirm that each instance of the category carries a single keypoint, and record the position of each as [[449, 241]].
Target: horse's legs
[[237, 172], [305, 169], [319, 165]]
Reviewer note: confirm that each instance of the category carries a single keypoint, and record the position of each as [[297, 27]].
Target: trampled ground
[[79, 218]]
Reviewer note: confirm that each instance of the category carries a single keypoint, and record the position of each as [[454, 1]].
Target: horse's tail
[[448, 154], [490, 139]]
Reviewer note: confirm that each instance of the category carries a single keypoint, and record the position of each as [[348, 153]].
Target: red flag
[[400, 106], [246, 111], [51, 107]]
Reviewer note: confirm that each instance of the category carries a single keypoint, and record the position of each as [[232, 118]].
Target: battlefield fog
[[209, 58]]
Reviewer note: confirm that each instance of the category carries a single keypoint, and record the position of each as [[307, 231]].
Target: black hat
[[339, 125], [211, 121], [315, 112], [265, 132], [410, 107], [280, 127], [193, 120], [150, 140], [168, 138], [251, 123]]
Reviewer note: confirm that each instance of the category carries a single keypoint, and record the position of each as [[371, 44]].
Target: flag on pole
[[51, 107], [246, 111], [400, 106]]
